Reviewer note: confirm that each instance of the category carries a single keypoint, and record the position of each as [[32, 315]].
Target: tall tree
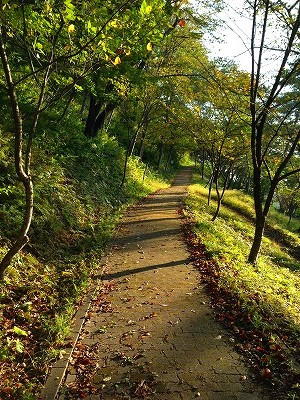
[[271, 122]]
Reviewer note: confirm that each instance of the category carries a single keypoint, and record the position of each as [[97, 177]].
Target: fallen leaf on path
[[125, 299], [142, 389], [165, 338], [266, 373], [144, 333], [152, 315]]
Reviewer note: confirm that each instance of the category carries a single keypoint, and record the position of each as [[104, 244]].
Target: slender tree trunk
[[202, 164], [145, 170], [133, 143], [260, 217], [211, 181], [25, 178], [109, 120], [169, 157], [141, 147], [229, 181], [219, 198], [22, 238], [124, 169], [208, 182], [100, 119], [126, 159], [259, 231], [221, 195], [248, 184], [160, 154], [217, 209], [71, 97]]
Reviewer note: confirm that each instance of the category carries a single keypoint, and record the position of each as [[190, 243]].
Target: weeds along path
[[151, 333]]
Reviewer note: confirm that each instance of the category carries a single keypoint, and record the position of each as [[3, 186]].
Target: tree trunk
[[100, 119], [217, 209], [260, 216], [24, 177], [141, 147], [124, 169], [145, 170], [229, 181], [221, 195], [94, 110], [22, 238], [133, 143], [259, 231], [107, 125], [71, 97], [202, 164], [169, 158], [126, 159], [211, 181], [248, 184], [160, 154]]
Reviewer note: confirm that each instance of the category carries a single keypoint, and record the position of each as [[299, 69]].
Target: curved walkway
[[151, 329]]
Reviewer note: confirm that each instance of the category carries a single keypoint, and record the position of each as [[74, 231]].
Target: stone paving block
[[70, 378], [248, 396], [223, 396], [197, 395], [166, 396], [234, 378]]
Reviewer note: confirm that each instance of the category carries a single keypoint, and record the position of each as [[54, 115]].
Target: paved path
[[154, 331]]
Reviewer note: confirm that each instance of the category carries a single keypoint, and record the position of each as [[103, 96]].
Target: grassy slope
[[77, 205], [271, 287]]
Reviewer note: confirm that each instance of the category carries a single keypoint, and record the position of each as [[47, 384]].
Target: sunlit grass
[[273, 285]]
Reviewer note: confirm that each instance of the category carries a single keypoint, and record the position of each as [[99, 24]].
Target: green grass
[[272, 286]]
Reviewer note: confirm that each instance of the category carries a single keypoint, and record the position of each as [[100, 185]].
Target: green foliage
[[271, 287]]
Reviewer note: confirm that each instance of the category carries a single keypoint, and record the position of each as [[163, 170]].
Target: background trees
[[139, 72]]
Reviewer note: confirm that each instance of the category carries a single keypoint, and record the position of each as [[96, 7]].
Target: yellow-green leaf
[[19, 331]]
